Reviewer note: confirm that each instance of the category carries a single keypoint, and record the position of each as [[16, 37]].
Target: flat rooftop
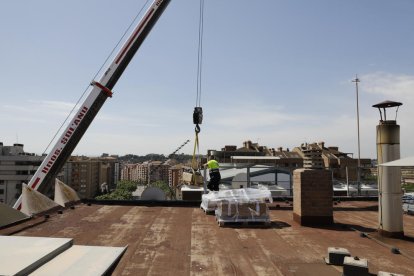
[[186, 241]]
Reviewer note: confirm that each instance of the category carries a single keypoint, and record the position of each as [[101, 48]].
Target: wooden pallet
[[243, 222], [208, 211]]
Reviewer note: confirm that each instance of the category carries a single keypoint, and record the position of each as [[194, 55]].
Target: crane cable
[[200, 53], [198, 111]]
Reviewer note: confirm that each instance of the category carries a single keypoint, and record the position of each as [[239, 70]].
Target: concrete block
[[354, 266], [382, 273], [336, 255]]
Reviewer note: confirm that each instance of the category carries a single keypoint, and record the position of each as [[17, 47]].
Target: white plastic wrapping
[[234, 211], [210, 201]]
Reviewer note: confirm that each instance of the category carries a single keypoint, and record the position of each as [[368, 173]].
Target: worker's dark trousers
[[215, 177]]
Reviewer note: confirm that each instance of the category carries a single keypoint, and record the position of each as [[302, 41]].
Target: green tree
[[123, 191], [127, 185], [408, 187]]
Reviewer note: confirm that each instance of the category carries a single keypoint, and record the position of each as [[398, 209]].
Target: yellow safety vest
[[213, 164]]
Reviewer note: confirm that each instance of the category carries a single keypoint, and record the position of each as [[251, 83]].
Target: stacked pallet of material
[[242, 213], [211, 201]]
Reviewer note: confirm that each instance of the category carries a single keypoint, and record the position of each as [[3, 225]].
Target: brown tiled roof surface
[[184, 241]]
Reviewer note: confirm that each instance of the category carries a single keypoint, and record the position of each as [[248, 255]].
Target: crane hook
[[197, 118]]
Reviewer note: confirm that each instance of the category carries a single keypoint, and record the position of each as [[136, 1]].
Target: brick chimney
[[321, 144], [312, 197]]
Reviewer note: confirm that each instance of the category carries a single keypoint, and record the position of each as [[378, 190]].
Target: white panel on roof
[[21, 255], [82, 260], [403, 162]]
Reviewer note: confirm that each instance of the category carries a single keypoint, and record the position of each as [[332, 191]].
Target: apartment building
[[88, 175], [127, 171], [175, 175], [16, 167], [286, 159], [340, 163], [312, 155], [146, 172]]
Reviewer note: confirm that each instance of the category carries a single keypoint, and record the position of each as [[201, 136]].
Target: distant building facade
[[146, 172], [340, 163], [16, 167], [313, 155], [175, 175], [286, 159], [87, 175]]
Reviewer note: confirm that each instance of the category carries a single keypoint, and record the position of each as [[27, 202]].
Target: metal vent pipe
[[390, 215]]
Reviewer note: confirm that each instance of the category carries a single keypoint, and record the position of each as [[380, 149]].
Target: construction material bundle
[[210, 201], [238, 205], [193, 178], [236, 211]]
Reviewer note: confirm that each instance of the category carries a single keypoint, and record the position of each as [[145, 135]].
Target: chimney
[[230, 148], [247, 144], [390, 214]]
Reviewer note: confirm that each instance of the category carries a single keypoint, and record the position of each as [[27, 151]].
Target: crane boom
[[101, 90]]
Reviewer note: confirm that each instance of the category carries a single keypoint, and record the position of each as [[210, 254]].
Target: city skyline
[[278, 73]]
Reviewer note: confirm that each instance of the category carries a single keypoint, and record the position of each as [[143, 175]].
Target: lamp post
[[356, 80]]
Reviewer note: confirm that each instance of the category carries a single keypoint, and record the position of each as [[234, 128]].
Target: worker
[[215, 177]]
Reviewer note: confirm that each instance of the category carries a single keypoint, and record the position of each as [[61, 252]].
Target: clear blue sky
[[275, 72]]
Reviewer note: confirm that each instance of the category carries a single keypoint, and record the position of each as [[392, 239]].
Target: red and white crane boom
[[100, 91]]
